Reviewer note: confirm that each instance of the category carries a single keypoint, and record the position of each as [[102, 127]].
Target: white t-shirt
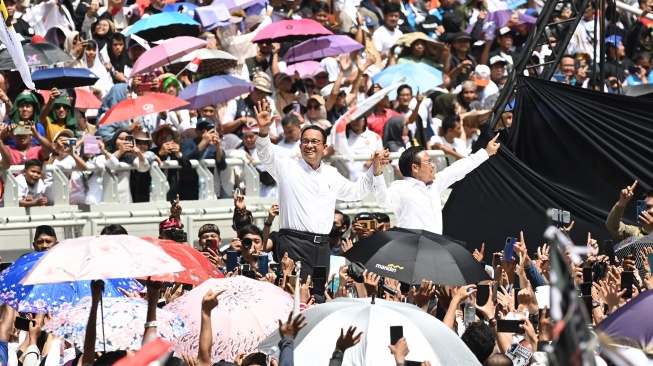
[[366, 144], [384, 38], [24, 189], [48, 181], [292, 147], [458, 145]]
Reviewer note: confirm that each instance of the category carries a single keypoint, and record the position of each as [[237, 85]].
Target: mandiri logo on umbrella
[[390, 267], [148, 107]]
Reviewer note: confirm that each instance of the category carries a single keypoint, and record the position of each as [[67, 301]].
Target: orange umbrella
[[198, 268]]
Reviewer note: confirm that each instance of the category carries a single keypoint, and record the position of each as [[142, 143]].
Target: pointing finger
[[495, 138], [633, 186]]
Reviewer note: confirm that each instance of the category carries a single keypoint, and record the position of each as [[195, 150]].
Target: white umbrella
[[213, 61], [101, 257], [428, 338]]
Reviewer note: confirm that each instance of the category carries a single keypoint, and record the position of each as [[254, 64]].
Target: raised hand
[[263, 117], [348, 340], [380, 159], [478, 255], [627, 194], [424, 295], [493, 146], [292, 327], [210, 300]]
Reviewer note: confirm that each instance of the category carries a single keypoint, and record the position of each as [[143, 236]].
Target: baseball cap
[[504, 30], [203, 123], [497, 59], [482, 75], [262, 82], [66, 132], [613, 40]]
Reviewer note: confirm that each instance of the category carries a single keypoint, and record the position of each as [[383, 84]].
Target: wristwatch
[[54, 153], [337, 354]]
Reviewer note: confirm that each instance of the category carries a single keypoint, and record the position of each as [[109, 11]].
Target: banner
[[9, 38]]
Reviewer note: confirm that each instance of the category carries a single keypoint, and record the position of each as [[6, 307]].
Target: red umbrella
[[198, 268], [291, 30], [141, 106], [84, 99]]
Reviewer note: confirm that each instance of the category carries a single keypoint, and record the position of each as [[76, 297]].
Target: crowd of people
[[288, 122]]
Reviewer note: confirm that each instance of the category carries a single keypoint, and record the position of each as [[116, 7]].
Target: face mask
[[335, 232]]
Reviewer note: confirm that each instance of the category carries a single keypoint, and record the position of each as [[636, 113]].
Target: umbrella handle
[[104, 339]]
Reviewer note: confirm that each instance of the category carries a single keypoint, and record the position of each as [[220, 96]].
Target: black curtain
[[572, 149]]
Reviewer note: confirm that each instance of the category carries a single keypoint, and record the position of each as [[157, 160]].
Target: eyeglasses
[[429, 162], [310, 86], [314, 142], [313, 106]]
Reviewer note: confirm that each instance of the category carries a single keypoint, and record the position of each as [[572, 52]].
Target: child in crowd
[[31, 188]]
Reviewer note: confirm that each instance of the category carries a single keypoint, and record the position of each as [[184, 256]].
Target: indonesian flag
[[194, 65], [9, 38]]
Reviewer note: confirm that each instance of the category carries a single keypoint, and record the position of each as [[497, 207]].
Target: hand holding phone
[[509, 249], [627, 281], [23, 323], [396, 333]]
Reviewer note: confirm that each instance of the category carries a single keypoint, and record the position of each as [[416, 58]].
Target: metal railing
[[77, 220]]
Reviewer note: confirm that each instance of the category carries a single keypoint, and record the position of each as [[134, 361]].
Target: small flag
[[9, 38], [194, 65]]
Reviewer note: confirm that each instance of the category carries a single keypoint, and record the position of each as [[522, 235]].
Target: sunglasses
[[313, 106], [310, 85]]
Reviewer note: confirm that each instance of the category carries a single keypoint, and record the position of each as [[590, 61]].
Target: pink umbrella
[[166, 53], [305, 69], [291, 30], [247, 313]]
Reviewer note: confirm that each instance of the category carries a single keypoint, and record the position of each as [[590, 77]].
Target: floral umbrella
[[247, 313], [53, 297], [124, 321]]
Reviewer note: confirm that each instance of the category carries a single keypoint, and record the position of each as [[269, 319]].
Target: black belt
[[313, 238]]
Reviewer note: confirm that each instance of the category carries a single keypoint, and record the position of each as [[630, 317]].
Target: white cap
[[496, 59]]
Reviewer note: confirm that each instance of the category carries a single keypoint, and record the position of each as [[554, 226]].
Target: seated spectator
[[450, 140], [57, 115], [396, 136], [380, 113], [642, 74], [44, 238], [31, 189], [292, 128], [63, 154], [26, 109], [86, 187], [23, 150], [205, 146], [621, 231], [122, 147]]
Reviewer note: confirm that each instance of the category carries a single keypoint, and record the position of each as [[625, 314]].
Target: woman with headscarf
[[120, 63], [75, 48], [181, 118], [92, 60], [102, 30], [396, 136], [123, 148], [57, 115]]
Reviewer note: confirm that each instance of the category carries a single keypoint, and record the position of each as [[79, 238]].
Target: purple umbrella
[[305, 69], [214, 90], [213, 16], [321, 47], [500, 18], [628, 321]]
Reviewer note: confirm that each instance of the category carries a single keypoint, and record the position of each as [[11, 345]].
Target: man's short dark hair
[[408, 158], [45, 230], [346, 220], [402, 87], [119, 37], [381, 217], [391, 8], [317, 128], [250, 229], [114, 230], [498, 359], [33, 162], [480, 339], [647, 194], [290, 119], [319, 6], [239, 222], [642, 56]]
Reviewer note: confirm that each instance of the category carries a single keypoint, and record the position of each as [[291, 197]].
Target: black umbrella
[[36, 54], [63, 78], [410, 256]]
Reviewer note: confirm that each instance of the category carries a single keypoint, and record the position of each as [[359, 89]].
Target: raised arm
[[264, 149], [97, 287], [153, 291], [209, 302], [462, 167], [354, 191]]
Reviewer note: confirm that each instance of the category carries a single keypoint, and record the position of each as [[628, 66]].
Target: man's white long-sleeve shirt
[[417, 205], [307, 197]]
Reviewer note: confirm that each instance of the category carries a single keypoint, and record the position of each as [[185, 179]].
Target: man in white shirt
[[416, 199], [308, 190], [292, 128], [386, 36]]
